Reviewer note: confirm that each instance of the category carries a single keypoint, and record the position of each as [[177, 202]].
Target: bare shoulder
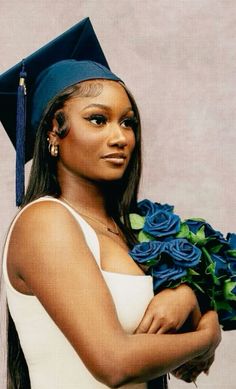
[[45, 213], [41, 230]]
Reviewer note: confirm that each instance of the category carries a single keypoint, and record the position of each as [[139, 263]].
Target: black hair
[[121, 196]]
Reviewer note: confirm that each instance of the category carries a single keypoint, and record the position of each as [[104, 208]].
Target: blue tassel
[[20, 137]]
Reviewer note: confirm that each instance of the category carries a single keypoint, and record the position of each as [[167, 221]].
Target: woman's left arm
[[169, 310]]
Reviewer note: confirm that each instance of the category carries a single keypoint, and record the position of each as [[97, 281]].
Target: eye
[[129, 122], [98, 120]]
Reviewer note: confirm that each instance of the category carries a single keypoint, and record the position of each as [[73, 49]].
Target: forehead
[[104, 92]]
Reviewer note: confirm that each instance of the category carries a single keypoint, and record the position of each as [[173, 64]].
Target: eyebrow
[[107, 108]]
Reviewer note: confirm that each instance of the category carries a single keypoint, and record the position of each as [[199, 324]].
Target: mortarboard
[[72, 57]]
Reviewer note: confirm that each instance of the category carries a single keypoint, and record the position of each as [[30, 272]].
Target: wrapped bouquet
[[176, 251]]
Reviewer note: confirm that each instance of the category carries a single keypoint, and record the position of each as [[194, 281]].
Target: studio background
[[178, 58]]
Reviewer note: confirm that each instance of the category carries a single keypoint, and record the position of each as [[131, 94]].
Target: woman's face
[[101, 135]]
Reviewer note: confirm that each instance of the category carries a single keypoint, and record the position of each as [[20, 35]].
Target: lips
[[115, 158]]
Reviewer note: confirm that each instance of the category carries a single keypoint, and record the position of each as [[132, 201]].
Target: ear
[[53, 137]]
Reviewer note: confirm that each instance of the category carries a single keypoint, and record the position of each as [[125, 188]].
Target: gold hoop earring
[[53, 150]]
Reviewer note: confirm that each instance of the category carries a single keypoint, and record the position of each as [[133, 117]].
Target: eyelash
[[130, 121]]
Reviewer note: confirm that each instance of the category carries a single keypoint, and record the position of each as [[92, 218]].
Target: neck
[[84, 194]]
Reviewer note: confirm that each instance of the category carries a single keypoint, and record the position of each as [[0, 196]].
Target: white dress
[[52, 361]]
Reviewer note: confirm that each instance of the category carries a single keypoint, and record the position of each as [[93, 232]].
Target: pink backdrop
[[178, 58]]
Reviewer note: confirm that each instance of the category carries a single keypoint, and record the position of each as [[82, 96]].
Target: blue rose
[[195, 225], [146, 251], [165, 207], [147, 207], [183, 253], [161, 224], [166, 272]]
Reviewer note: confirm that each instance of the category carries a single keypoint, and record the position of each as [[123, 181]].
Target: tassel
[[20, 137]]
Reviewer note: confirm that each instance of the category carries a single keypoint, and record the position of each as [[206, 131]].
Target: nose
[[117, 136]]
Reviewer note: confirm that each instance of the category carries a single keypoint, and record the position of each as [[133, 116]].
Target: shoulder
[[46, 240], [43, 207], [43, 215], [41, 226]]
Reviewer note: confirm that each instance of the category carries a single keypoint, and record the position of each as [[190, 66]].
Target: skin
[[56, 252]]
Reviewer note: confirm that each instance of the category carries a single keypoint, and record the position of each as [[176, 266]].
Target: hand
[[169, 310], [191, 370]]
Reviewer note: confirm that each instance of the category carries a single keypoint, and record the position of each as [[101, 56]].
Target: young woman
[[83, 310]]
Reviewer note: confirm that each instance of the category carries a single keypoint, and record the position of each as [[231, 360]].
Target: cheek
[[132, 141], [81, 141]]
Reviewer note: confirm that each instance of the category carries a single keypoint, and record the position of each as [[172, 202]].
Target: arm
[[172, 310], [59, 269]]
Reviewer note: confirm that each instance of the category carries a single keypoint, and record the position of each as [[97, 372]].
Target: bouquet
[[175, 251]]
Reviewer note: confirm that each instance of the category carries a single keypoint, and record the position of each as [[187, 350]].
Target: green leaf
[[232, 253], [192, 272], [201, 233], [192, 237], [223, 305], [144, 237], [217, 248], [184, 231], [210, 269], [228, 288], [151, 262], [198, 238], [136, 221]]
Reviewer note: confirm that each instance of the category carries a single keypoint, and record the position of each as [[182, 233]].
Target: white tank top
[[52, 361]]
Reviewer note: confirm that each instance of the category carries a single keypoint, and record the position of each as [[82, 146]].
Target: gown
[[52, 361]]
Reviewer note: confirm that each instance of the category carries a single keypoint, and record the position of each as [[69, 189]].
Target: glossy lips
[[115, 158]]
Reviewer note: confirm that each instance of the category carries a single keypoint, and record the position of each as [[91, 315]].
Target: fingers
[[192, 369], [155, 325], [159, 326], [144, 325], [168, 328], [187, 373]]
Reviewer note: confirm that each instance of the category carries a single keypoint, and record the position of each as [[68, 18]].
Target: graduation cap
[[72, 57]]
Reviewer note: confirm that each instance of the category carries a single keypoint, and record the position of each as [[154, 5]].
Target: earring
[[53, 150]]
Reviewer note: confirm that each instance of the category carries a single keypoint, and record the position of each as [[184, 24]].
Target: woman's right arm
[[49, 253]]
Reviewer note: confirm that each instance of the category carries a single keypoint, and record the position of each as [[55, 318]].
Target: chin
[[111, 177]]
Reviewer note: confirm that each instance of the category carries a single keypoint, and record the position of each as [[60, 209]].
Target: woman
[[84, 311]]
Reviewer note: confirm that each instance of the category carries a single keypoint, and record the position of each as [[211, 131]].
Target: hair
[[121, 196]]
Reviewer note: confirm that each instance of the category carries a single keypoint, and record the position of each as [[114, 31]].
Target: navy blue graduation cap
[[74, 56]]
